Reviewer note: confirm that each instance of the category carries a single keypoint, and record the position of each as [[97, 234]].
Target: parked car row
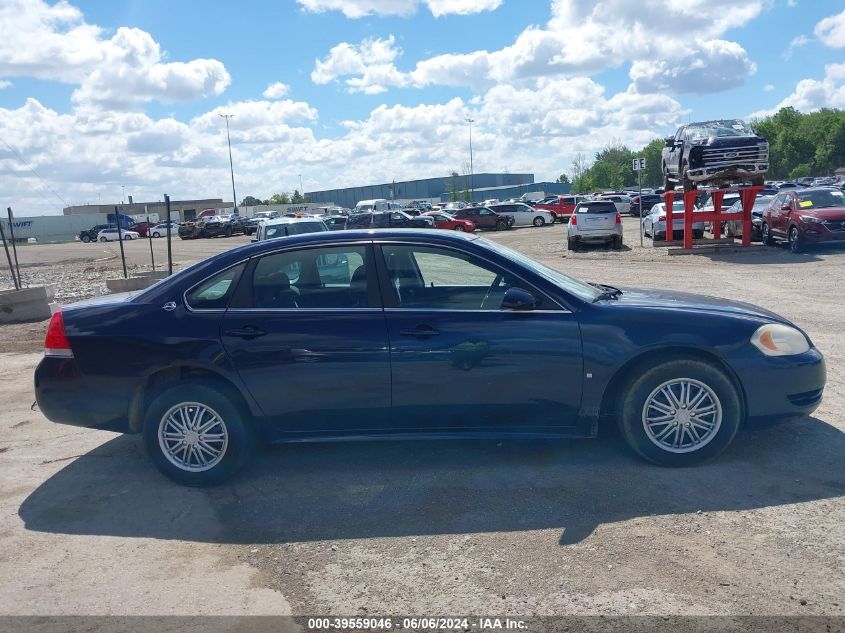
[[213, 226]]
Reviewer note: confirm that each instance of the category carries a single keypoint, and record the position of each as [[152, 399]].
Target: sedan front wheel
[[539, 221], [680, 412], [459, 228]]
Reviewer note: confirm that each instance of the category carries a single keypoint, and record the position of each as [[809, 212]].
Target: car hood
[[730, 141], [669, 299], [834, 214]]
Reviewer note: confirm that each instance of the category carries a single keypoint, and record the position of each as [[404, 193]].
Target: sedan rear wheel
[[156, 234], [197, 436], [680, 412]]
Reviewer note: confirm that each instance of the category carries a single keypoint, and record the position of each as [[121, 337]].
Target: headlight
[[809, 218], [775, 339]]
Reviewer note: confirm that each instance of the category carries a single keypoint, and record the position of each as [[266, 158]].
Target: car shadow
[[311, 492]]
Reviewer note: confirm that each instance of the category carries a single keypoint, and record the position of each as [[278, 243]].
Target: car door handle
[[420, 330], [248, 332]]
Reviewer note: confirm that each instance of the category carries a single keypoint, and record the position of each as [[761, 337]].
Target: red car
[[143, 227], [445, 221], [804, 217], [562, 208]]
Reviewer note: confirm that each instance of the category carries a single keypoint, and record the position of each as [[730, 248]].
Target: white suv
[[594, 221]]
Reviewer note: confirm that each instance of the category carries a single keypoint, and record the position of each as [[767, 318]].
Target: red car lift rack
[[747, 194]]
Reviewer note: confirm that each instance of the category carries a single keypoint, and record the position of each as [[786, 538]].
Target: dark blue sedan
[[421, 334]]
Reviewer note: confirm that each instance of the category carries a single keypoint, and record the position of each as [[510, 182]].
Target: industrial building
[[180, 210], [514, 191], [430, 189]]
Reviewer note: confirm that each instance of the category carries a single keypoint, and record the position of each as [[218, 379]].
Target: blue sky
[[99, 94]]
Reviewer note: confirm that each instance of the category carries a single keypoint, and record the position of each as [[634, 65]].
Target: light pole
[[231, 169], [301, 192], [471, 169]]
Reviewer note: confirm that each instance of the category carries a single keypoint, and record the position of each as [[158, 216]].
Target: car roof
[[276, 221]]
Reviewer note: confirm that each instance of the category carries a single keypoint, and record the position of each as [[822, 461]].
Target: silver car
[[525, 215], [594, 221], [654, 224]]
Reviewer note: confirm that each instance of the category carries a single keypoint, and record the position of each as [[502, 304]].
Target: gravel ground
[[578, 527]]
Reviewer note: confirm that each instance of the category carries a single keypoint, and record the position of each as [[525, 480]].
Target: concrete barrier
[[28, 304]]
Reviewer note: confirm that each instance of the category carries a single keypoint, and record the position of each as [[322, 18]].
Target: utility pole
[[231, 168], [471, 169]]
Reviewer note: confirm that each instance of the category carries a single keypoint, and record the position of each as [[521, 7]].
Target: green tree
[[563, 178], [297, 198], [250, 201], [279, 198]]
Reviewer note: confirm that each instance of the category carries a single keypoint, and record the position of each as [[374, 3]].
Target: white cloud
[[768, 88], [710, 66], [361, 8], [276, 90], [831, 30], [5, 84], [814, 94], [654, 36], [368, 64], [54, 42], [796, 42]]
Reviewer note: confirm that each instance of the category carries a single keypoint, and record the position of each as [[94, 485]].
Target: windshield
[[821, 199], [571, 285], [733, 127]]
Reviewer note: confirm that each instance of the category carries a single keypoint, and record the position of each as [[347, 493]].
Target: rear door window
[[316, 278]]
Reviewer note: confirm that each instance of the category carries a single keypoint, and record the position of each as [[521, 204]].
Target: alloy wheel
[[682, 415], [193, 437]]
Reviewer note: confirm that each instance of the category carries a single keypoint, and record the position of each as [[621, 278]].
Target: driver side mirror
[[670, 141], [519, 300], [786, 207]]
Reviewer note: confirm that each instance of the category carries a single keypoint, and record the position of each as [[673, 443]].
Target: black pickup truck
[[720, 153]]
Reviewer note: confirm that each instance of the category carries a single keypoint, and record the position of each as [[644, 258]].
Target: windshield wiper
[[608, 292]]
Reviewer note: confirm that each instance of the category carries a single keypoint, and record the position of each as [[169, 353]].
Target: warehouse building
[[430, 189], [515, 191], [180, 210]]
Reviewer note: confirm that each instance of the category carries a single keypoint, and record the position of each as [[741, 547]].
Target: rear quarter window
[[214, 293]]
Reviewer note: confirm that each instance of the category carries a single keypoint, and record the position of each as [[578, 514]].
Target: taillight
[[618, 219], [56, 343], [573, 220], [661, 218]]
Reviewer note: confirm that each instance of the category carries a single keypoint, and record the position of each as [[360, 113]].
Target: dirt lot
[[87, 526]]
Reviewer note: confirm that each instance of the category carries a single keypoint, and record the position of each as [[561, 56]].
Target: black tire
[[766, 235], [501, 225], [156, 234], [689, 185], [796, 242], [103, 239], [571, 244], [646, 387], [758, 181], [459, 228], [539, 221], [668, 185], [85, 238], [240, 435], [617, 242]]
